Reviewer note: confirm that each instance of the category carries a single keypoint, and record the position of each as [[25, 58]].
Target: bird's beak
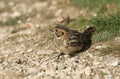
[[51, 29]]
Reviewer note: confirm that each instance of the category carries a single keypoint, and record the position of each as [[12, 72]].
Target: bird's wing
[[73, 40]]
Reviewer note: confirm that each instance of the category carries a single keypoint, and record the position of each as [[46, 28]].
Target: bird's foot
[[61, 54]]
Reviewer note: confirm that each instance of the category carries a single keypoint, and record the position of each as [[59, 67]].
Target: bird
[[70, 42]]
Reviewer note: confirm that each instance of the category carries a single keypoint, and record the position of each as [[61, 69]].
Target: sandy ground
[[27, 50]]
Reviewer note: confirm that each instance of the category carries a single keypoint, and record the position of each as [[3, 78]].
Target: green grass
[[14, 21], [107, 21], [107, 26], [96, 5], [112, 48]]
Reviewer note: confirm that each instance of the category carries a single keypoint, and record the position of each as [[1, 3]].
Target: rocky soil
[[27, 50]]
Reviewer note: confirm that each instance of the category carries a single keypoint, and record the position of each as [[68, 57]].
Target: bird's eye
[[58, 34], [61, 33], [56, 30]]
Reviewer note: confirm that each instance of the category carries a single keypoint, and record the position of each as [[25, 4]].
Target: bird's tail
[[89, 31]]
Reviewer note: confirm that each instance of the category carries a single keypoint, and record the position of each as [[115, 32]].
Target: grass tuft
[[98, 5], [108, 26], [112, 48]]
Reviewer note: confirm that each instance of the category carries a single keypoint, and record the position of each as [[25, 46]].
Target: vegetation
[[97, 5], [106, 21], [112, 48]]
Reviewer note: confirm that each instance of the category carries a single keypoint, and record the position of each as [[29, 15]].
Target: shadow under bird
[[70, 41]]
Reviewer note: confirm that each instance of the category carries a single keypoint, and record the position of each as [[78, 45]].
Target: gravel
[[31, 53]]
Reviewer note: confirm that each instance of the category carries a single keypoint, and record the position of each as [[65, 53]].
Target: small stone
[[94, 14], [29, 19], [108, 77], [59, 19], [40, 74], [33, 71], [53, 5], [118, 77], [97, 76], [112, 61], [15, 14], [96, 63], [68, 77], [29, 50], [44, 65], [117, 39], [90, 55], [59, 12], [87, 70], [100, 47], [39, 5], [37, 25], [5, 63], [1, 67], [19, 21], [48, 77], [105, 71], [44, 52]]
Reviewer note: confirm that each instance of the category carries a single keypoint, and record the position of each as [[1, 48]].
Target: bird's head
[[60, 32]]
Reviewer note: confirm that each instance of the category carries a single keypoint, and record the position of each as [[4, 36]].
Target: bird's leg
[[61, 54], [72, 55]]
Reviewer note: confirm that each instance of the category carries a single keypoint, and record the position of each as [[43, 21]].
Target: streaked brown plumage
[[70, 41]]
